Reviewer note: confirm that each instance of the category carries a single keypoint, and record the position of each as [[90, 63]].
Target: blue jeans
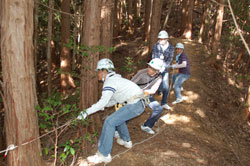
[[155, 115], [117, 120], [164, 87], [178, 80]]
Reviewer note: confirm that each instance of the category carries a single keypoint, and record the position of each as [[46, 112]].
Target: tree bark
[[21, 122], [155, 23], [116, 22], [187, 34], [91, 38], [65, 59], [218, 28], [167, 16], [203, 23], [106, 30], [147, 16], [49, 60]]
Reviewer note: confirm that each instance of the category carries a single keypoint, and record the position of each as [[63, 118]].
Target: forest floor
[[206, 129]]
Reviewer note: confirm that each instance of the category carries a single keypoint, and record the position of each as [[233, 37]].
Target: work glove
[[82, 115], [162, 69]]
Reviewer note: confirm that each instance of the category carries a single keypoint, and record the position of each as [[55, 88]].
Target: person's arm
[[169, 58], [154, 88], [182, 65], [102, 102]]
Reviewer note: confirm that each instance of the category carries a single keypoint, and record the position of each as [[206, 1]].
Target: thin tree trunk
[[184, 15], [169, 11], [147, 18], [203, 23], [187, 34], [106, 30], [65, 59], [21, 122], [116, 18], [218, 28], [49, 60], [155, 23], [130, 16]]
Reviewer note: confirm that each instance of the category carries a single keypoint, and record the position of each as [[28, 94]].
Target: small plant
[[129, 65]]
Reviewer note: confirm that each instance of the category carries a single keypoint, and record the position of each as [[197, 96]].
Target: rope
[[12, 146]]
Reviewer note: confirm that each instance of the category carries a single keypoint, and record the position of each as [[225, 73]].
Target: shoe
[[147, 129], [99, 158], [124, 143], [166, 106], [116, 135], [177, 101]]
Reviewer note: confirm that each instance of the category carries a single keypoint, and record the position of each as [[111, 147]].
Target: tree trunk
[[116, 18], [167, 16], [203, 23], [21, 123], [147, 16], [155, 23], [106, 30], [130, 16], [184, 15], [91, 38], [187, 33], [218, 28], [65, 59], [49, 60]]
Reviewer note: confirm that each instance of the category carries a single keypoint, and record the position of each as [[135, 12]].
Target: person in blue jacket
[[165, 51]]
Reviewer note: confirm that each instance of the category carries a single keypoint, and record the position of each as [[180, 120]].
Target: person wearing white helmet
[[115, 90], [183, 66], [149, 80], [165, 51]]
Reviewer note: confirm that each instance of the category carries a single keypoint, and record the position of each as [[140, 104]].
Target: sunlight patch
[[169, 153], [200, 113], [191, 96], [171, 119], [186, 145]]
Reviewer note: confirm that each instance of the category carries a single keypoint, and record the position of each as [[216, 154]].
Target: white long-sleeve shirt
[[116, 90]]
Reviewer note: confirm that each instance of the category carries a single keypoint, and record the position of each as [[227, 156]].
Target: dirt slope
[[204, 130]]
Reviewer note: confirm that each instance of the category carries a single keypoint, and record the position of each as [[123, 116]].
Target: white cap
[[179, 45], [105, 64], [163, 35], [156, 63]]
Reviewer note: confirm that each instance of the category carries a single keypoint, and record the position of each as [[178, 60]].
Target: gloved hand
[[162, 69], [82, 115]]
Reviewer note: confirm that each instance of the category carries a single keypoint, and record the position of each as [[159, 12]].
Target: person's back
[[124, 89]]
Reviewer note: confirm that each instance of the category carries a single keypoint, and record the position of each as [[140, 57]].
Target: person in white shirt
[[115, 90]]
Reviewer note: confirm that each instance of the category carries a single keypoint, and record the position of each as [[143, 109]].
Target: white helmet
[[179, 45], [162, 35], [156, 63], [105, 64]]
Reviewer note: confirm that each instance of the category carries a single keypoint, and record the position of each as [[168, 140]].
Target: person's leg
[[165, 88], [157, 110], [180, 78], [118, 120]]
